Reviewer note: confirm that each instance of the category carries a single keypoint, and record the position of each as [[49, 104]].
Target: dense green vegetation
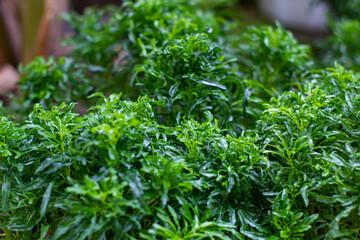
[[342, 45], [51, 81], [213, 138], [343, 9]]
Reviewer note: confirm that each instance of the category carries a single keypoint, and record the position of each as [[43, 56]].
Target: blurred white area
[[305, 15]]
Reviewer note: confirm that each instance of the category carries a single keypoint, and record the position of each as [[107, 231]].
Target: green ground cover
[[214, 136]]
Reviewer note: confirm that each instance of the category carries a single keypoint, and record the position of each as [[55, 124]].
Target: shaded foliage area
[[345, 9], [224, 140], [342, 46]]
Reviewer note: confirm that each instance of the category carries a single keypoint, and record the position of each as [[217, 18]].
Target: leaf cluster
[[115, 40], [181, 162], [51, 81], [117, 173], [272, 57], [342, 46], [310, 137], [109, 43], [192, 77], [343, 9]]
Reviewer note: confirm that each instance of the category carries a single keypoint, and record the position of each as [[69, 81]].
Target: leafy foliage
[[272, 57], [51, 81], [34, 169], [181, 163], [192, 227], [132, 32], [342, 46], [311, 137], [192, 77], [344, 9], [106, 169]]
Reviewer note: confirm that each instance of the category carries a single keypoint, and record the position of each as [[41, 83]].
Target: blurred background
[[30, 28]]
